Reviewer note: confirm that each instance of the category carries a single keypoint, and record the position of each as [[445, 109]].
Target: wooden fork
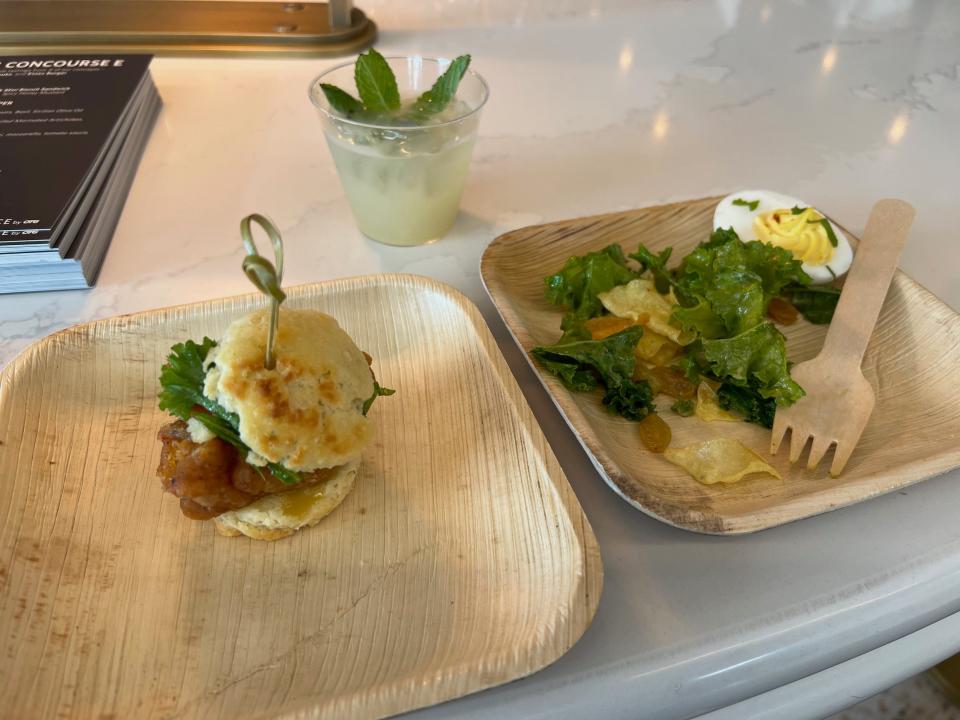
[[839, 398]]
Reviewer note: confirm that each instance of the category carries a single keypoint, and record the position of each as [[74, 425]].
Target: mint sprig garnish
[[444, 88], [376, 82], [340, 100], [379, 94]]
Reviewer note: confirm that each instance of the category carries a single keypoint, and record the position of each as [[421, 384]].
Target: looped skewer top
[[265, 276]]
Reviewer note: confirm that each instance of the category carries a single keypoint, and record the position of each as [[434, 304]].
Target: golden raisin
[[782, 312], [607, 325], [642, 372], [655, 433], [673, 383]]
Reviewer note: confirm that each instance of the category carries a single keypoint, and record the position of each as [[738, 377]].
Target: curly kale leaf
[[632, 399], [754, 359], [583, 278], [717, 267], [656, 264], [733, 303], [815, 302], [749, 403], [587, 364]]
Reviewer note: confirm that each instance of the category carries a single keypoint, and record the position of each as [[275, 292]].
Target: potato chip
[[721, 460], [665, 354], [655, 348], [639, 298], [708, 406]]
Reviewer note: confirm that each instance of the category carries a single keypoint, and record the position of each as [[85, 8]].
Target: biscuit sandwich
[[265, 452]]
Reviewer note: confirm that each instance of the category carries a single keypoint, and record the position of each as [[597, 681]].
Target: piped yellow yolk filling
[[802, 234]]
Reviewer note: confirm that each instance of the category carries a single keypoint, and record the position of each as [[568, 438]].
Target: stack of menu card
[[72, 129]]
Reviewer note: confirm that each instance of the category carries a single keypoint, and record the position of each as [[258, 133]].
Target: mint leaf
[[752, 204], [438, 97], [340, 100], [378, 391], [376, 82]]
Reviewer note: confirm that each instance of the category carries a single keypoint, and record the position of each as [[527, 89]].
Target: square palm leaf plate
[[912, 360], [461, 559]]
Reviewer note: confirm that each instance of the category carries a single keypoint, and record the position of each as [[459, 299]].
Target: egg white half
[[740, 218]]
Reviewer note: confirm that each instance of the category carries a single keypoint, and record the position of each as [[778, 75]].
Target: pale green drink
[[405, 188], [402, 177]]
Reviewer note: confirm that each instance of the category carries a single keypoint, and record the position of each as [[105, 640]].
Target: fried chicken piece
[[211, 478]]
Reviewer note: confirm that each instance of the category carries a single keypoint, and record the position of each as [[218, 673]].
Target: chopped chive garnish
[[831, 236]]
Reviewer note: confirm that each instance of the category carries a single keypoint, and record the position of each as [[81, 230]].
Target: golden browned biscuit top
[[307, 412]]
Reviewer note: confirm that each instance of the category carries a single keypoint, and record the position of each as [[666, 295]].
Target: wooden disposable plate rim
[[512, 300], [566, 578]]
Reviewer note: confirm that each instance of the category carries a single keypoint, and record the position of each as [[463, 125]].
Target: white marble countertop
[[595, 107]]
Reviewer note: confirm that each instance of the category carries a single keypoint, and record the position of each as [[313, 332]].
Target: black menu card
[[72, 129]]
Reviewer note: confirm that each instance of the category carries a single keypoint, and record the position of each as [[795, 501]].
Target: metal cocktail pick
[[265, 276]]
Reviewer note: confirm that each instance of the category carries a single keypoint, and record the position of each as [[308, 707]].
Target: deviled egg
[[789, 223]]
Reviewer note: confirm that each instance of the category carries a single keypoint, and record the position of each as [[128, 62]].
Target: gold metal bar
[[180, 27]]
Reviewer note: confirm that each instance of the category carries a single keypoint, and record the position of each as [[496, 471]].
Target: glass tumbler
[[403, 178]]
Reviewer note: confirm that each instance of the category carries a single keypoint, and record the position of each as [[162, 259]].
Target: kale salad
[[703, 332]]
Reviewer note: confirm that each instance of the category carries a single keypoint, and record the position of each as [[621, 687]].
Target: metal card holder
[[184, 27]]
